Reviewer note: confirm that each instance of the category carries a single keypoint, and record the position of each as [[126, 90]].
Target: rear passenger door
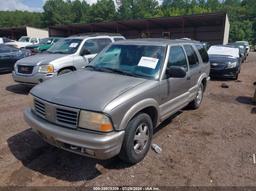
[[194, 67], [205, 58]]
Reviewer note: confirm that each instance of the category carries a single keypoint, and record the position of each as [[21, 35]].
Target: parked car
[[245, 43], [43, 45], [8, 57], [4, 40], [65, 56], [24, 41], [112, 106], [225, 61], [242, 50]]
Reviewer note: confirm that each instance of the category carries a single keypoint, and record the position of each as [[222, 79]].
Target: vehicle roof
[[87, 35], [156, 41]]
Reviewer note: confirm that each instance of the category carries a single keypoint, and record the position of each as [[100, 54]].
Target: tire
[[137, 140], [236, 76], [195, 104], [64, 71]]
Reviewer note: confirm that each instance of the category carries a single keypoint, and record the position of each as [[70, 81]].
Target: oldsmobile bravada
[[112, 106]]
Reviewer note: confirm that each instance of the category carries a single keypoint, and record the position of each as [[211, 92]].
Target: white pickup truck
[[24, 41]]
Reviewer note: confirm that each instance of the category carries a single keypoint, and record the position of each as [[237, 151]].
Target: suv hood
[[39, 59], [89, 90]]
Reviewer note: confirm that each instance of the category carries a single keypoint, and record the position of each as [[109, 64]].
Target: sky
[[26, 5]]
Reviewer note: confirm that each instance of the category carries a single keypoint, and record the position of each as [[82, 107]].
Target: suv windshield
[[134, 60], [24, 39], [65, 46]]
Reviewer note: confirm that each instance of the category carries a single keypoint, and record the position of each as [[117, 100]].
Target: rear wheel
[[137, 140], [64, 71], [199, 97]]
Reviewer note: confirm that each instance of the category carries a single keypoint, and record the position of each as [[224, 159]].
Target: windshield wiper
[[118, 72], [92, 67]]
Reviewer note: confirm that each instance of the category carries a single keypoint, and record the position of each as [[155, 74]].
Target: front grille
[[39, 107], [25, 69], [53, 113], [66, 116], [218, 66]]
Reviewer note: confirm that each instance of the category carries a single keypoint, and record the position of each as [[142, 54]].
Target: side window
[[177, 58], [91, 46], [33, 40], [118, 39], [102, 43], [203, 53], [192, 57]]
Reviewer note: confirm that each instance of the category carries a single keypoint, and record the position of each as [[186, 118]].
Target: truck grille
[[61, 115], [39, 108], [66, 116], [25, 69]]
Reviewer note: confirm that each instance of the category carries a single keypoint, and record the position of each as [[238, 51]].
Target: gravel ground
[[211, 146]]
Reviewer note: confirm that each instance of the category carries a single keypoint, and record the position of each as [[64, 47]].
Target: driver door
[[175, 90], [90, 49]]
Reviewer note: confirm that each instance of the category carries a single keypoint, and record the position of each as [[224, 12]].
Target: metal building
[[16, 32], [210, 27]]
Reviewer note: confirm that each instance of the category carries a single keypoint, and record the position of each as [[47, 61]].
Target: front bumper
[[229, 72], [100, 146], [31, 79]]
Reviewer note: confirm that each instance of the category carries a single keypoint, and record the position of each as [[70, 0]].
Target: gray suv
[[112, 106]]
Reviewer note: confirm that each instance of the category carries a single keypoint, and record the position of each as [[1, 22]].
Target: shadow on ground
[[39, 156], [19, 89], [245, 100]]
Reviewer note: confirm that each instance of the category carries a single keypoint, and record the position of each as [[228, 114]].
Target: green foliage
[[20, 18], [242, 13]]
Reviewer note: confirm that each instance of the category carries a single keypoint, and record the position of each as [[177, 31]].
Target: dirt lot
[[209, 146]]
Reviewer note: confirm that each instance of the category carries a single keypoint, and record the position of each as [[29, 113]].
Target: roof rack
[[96, 34]]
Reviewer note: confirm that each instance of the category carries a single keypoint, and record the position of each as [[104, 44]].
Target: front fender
[[149, 102]]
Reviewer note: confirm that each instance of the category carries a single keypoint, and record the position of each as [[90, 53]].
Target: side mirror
[[175, 72], [84, 52]]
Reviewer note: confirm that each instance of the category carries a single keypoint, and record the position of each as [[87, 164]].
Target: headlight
[[232, 64], [94, 121], [46, 68]]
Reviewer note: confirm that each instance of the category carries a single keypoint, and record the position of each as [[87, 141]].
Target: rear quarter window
[[203, 53]]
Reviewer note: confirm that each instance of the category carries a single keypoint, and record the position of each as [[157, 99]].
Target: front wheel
[[64, 71], [195, 104], [137, 140]]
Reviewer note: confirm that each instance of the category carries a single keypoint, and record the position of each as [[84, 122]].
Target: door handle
[[188, 78], [200, 72]]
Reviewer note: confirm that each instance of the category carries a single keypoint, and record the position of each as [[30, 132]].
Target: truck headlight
[[232, 64], [46, 69], [94, 121]]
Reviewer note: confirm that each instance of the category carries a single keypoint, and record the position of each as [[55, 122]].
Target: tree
[[103, 10], [136, 9]]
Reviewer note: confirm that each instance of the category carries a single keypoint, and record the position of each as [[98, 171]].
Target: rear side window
[[177, 58], [203, 53], [192, 57]]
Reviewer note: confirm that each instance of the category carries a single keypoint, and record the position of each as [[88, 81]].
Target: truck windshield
[[24, 39], [65, 46], [135, 60]]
